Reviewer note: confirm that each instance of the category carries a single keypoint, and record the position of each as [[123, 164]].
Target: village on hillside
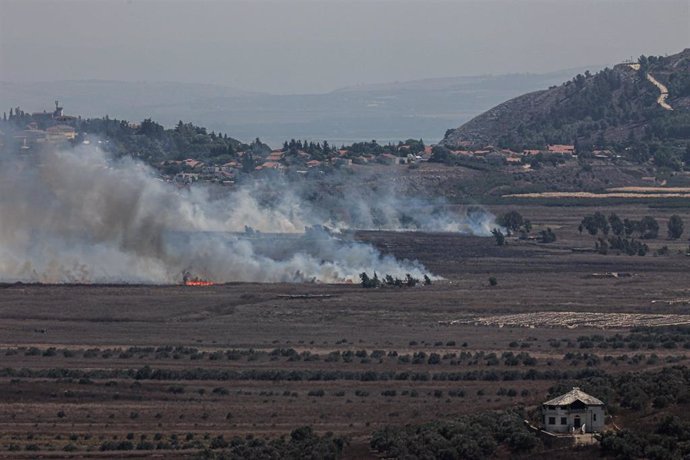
[[32, 131], [42, 128]]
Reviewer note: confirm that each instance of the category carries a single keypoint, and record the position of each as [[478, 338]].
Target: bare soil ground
[[177, 366]]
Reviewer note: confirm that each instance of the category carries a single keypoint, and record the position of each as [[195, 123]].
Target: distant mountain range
[[644, 102], [386, 112]]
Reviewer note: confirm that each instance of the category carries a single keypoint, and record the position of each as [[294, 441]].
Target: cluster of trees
[[641, 337], [513, 222], [669, 439], [507, 358], [672, 155], [646, 228], [316, 150], [347, 356], [541, 158], [547, 236], [467, 437], [665, 337], [302, 443], [277, 375], [675, 227], [153, 143], [678, 84], [624, 231], [374, 148], [590, 109], [628, 246], [391, 281], [414, 146], [441, 154], [163, 352]]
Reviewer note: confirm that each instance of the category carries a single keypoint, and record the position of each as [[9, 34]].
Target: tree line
[[620, 234], [371, 282]]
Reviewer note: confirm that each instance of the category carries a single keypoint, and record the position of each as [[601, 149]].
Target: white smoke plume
[[78, 215], [343, 201]]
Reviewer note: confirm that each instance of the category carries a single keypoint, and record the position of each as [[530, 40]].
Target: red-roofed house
[[561, 148], [192, 163], [275, 156], [531, 151], [271, 165]]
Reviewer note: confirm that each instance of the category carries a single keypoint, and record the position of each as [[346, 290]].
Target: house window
[[552, 420], [564, 421], [594, 417]]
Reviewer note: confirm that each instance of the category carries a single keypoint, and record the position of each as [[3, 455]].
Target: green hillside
[[617, 108]]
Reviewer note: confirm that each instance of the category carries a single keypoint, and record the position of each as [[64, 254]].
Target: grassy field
[[171, 368]]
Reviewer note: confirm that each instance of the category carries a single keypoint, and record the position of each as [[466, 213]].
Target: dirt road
[[661, 100]]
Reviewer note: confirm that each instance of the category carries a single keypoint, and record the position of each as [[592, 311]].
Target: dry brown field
[[177, 365]]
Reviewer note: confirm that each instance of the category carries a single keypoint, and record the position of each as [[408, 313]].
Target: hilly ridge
[[614, 108]]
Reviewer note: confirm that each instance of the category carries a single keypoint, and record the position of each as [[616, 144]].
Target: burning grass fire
[[119, 235], [198, 283], [189, 280]]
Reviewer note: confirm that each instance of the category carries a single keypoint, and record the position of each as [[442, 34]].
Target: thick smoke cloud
[[387, 208], [342, 200], [77, 215]]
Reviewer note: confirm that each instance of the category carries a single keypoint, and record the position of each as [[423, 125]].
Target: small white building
[[575, 411]]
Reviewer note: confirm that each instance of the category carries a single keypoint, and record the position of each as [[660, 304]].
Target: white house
[[575, 411]]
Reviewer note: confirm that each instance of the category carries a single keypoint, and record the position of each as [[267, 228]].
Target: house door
[[576, 422]]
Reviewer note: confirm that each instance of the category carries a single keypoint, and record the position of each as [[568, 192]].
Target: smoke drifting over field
[[80, 216], [365, 209]]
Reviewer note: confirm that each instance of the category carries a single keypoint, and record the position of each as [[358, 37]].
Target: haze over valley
[[388, 112]]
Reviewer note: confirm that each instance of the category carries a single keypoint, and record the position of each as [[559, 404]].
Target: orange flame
[[189, 280], [198, 282]]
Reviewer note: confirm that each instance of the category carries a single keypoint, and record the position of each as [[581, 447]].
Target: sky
[[302, 47]]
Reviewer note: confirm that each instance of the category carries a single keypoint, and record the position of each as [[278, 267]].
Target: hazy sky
[[296, 46]]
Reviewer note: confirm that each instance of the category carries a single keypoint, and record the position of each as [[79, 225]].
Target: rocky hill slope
[[613, 107]]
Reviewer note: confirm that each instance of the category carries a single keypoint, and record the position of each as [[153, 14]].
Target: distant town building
[[575, 411], [275, 156], [60, 133], [192, 163], [271, 165], [58, 110], [561, 148]]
